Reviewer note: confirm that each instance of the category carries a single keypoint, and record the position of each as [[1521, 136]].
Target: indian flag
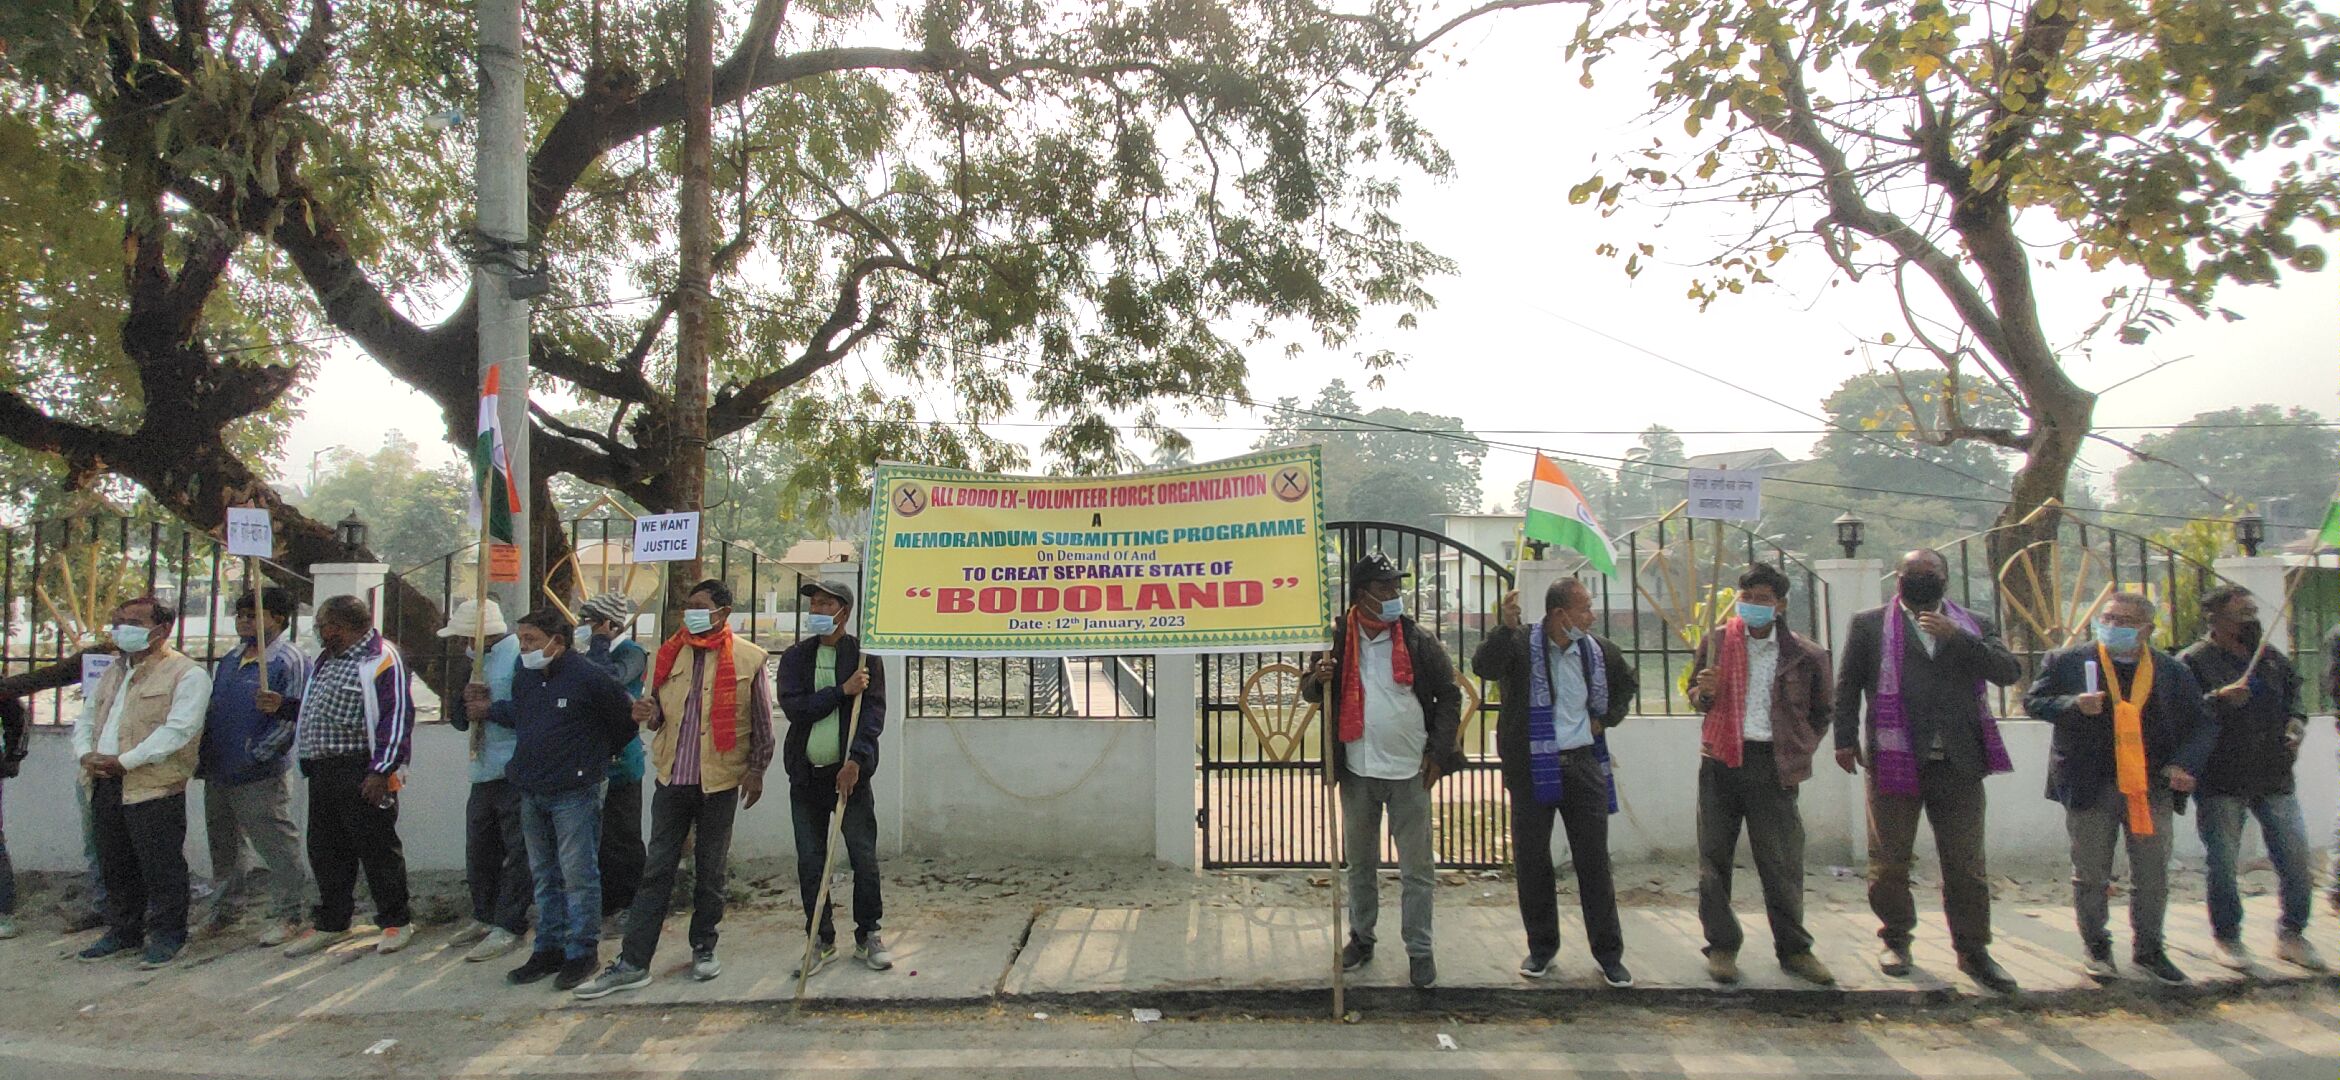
[[494, 501], [1558, 514], [2329, 535]]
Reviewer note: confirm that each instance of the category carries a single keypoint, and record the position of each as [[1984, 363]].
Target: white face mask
[[132, 638], [698, 620], [536, 661]]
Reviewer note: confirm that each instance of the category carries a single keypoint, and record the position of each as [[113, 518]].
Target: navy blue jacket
[[2178, 731], [571, 718], [805, 706]]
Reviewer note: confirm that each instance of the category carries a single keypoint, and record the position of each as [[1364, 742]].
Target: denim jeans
[[2220, 822], [564, 855], [811, 804]]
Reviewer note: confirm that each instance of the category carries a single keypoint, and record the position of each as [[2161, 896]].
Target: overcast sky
[[1535, 332]]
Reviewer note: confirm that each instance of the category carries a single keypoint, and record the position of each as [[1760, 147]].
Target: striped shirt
[[359, 705], [686, 747]]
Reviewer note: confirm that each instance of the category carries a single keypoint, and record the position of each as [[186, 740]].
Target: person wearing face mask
[[1395, 711], [138, 739], [495, 849], [1562, 688], [355, 737], [820, 677], [608, 642], [568, 718], [2131, 735], [246, 750], [1765, 692], [2249, 775], [709, 711], [1923, 666]]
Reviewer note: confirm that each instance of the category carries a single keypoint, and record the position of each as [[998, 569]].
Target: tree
[[1645, 488], [2282, 461], [1884, 435], [413, 514], [1382, 465], [1953, 148]]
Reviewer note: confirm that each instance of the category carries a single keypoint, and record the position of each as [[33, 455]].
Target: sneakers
[[395, 938], [619, 975], [873, 954], [8, 927], [312, 941], [159, 954], [279, 931], [1979, 966], [498, 942], [1355, 954], [108, 947], [821, 956], [540, 966], [1894, 960], [1535, 967], [473, 932], [1722, 965], [2157, 964], [574, 972], [1613, 972], [1808, 967], [704, 966], [2290, 948], [2234, 954], [1422, 971], [2099, 962]]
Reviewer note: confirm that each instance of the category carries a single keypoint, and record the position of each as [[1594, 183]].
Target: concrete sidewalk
[[1187, 958]]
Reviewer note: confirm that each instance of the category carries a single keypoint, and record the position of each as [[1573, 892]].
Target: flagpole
[[2290, 590]]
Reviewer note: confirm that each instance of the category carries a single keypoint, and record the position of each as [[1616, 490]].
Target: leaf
[[1580, 193], [1925, 65]]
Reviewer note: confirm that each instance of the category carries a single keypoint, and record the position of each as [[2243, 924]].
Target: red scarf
[[1401, 667], [1723, 737], [722, 715]]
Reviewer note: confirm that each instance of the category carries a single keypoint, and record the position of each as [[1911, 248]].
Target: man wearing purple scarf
[[1922, 662]]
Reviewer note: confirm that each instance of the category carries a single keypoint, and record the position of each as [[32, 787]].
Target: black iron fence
[[1667, 574], [1024, 687]]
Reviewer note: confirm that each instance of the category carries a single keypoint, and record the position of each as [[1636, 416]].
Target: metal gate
[[1262, 748]]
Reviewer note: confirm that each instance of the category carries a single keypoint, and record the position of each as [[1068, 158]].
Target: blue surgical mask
[[536, 661], [1392, 608], [2120, 639], [132, 639], [1757, 616], [698, 620], [1574, 635], [819, 625]]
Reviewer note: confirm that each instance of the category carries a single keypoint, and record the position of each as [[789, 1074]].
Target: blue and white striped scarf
[[1543, 732]]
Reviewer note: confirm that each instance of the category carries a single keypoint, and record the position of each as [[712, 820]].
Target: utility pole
[[686, 464], [502, 171]]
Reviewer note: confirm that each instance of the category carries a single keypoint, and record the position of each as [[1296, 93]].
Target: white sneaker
[[279, 931], [312, 941], [395, 938], [2294, 949], [472, 933], [497, 942], [8, 927], [2233, 955]]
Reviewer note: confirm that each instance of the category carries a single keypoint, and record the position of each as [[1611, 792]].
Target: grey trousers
[[258, 814], [1363, 800], [2095, 831], [1750, 795]]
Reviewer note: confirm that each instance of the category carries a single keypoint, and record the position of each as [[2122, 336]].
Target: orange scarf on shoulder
[[721, 714], [2129, 736]]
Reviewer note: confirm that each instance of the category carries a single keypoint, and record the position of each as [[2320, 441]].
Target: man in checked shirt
[[355, 734], [709, 711]]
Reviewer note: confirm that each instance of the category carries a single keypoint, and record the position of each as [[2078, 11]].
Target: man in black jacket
[[1582, 708], [1395, 711], [571, 718], [15, 743], [826, 754], [2260, 726]]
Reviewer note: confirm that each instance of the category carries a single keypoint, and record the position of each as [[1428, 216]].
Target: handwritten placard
[[250, 533], [1725, 494]]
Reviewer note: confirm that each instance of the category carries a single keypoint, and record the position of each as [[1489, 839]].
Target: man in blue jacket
[[2091, 693], [247, 739], [827, 755], [608, 641], [568, 718], [495, 857]]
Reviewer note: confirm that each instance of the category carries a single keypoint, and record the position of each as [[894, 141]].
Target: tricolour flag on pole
[[2329, 535], [494, 501], [1558, 514]]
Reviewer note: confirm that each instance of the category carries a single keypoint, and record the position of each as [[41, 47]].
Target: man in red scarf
[[1395, 711], [709, 712]]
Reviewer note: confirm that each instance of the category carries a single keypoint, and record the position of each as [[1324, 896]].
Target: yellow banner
[[1228, 556]]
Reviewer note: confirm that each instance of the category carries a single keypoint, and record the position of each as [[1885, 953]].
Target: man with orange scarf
[[1396, 711], [2131, 736], [710, 717]]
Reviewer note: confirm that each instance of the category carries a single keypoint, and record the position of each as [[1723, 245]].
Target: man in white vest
[[138, 739]]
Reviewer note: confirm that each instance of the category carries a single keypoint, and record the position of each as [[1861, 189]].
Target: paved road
[[2280, 1035]]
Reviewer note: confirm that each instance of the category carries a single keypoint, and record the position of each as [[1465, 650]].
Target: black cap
[[1374, 567], [838, 589]]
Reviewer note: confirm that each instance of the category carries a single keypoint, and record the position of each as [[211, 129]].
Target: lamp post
[[1848, 533], [2250, 530], [351, 531]]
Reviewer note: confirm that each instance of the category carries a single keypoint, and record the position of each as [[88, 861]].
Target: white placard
[[1725, 494], [93, 668], [250, 532], [666, 537]]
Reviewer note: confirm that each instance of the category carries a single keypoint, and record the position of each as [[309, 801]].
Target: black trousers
[[1584, 813], [347, 834], [142, 854], [812, 804], [675, 810], [1750, 795], [495, 857], [622, 854]]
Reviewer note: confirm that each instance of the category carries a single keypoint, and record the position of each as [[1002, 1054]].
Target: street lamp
[[313, 456], [2250, 530], [1848, 533], [352, 533]]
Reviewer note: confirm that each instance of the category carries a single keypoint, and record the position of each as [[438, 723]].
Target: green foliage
[[1645, 488], [414, 514], [2203, 543], [2274, 458], [1372, 473]]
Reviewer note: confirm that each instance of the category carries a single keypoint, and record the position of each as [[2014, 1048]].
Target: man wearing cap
[[495, 851], [610, 645], [827, 755], [256, 693], [1397, 712]]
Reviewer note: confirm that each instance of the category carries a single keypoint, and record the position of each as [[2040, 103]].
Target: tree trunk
[[685, 477]]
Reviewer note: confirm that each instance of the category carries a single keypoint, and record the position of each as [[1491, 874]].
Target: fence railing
[[1021, 687], [1634, 605]]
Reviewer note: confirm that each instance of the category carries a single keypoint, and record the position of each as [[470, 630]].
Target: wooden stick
[[2290, 590], [259, 616], [479, 592], [1340, 885], [812, 920]]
